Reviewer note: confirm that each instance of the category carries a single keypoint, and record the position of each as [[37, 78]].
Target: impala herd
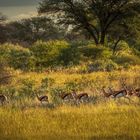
[[84, 97]]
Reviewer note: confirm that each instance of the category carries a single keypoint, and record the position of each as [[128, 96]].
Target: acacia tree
[[127, 30], [94, 16]]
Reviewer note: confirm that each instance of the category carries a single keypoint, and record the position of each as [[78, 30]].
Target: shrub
[[127, 60], [27, 89], [47, 53], [123, 48], [96, 52], [21, 59], [69, 55], [5, 76], [47, 83], [102, 65], [17, 56]]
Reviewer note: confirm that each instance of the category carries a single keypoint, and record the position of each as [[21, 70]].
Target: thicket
[[59, 53]]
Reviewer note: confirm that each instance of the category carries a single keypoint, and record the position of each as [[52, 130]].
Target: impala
[[136, 92], [80, 97], [66, 96], [43, 98], [116, 94], [3, 99]]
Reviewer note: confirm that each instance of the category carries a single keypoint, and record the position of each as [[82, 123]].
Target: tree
[[2, 28], [127, 30], [2, 17], [94, 16], [31, 30]]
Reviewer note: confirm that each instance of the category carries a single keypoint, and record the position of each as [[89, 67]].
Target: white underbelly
[[120, 95]]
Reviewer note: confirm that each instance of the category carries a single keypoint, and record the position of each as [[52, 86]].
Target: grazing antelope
[[3, 99], [43, 98]]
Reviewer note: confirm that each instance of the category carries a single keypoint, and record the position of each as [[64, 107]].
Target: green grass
[[87, 122]]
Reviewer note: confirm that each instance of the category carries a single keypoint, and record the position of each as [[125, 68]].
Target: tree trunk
[[93, 35], [115, 45], [102, 40]]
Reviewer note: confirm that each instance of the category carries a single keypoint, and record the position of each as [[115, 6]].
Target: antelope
[[43, 98], [3, 99], [136, 92], [106, 94], [66, 96], [80, 97], [116, 94]]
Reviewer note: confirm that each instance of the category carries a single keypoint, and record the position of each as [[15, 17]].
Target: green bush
[[27, 89], [102, 65], [123, 48], [69, 55], [17, 56], [127, 59], [96, 52], [5, 76], [47, 53]]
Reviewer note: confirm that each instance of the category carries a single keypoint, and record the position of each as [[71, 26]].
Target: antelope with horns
[[106, 94], [116, 94], [136, 92], [66, 96], [3, 99], [81, 97], [43, 98]]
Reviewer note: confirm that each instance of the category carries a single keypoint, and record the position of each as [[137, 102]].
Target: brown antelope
[[80, 97], [116, 94], [43, 98], [66, 96], [106, 94], [136, 92], [3, 99]]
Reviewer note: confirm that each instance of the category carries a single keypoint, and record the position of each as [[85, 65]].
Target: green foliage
[[102, 65], [127, 59], [5, 77], [47, 83], [69, 55], [97, 19], [47, 53], [29, 30], [123, 48], [17, 56], [57, 55], [27, 88], [96, 52]]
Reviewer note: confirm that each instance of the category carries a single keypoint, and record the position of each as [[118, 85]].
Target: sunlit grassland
[[27, 119], [88, 122], [61, 77]]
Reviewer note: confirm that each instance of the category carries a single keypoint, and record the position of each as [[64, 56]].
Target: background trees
[[2, 28], [33, 29], [94, 16]]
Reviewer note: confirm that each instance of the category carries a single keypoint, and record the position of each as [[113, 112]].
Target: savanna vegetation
[[71, 47]]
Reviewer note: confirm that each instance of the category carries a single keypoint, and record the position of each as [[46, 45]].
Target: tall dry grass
[[26, 119], [89, 122]]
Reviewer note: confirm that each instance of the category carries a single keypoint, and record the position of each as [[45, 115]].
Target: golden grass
[[27, 120], [99, 78], [88, 122]]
